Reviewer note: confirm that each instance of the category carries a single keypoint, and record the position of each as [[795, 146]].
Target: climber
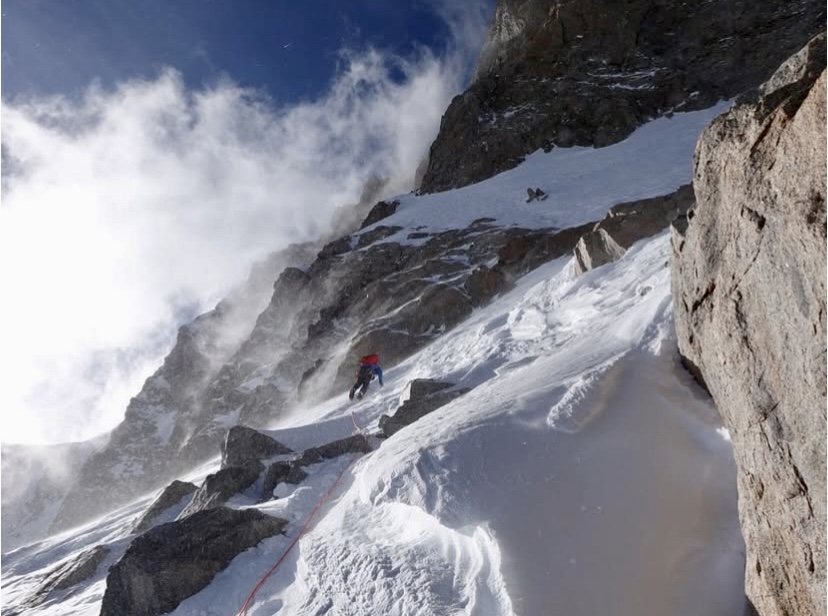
[[368, 368]]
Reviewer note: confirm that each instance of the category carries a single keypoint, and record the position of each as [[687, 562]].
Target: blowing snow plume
[[131, 210]]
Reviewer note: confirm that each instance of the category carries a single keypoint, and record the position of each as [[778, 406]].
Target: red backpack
[[370, 360]]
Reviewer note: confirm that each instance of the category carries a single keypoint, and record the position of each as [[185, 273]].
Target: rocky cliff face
[[749, 279], [588, 72], [145, 449], [364, 292]]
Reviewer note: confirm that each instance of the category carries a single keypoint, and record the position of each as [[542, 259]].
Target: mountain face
[[149, 446], [570, 73], [749, 286], [603, 67], [360, 293], [587, 72]]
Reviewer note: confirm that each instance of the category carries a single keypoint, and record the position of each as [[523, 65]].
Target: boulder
[[220, 486], [425, 396], [352, 444], [627, 223], [244, 445], [381, 210], [595, 249], [422, 388], [281, 472], [170, 503], [749, 274], [174, 561]]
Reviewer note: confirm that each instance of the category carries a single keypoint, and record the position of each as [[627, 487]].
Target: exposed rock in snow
[[749, 292], [425, 396], [244, 445], [291, 471], [281, 472], [627, 223], [381, 210], [67, 574], [380, 232], [535, 194], [169, 504], [173, 561], [220, 486], [352, 444], [422, 388]]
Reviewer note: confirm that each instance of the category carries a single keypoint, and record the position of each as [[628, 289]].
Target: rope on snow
[[249, 602]]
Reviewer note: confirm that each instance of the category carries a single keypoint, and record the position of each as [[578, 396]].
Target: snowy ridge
[[584, 473]]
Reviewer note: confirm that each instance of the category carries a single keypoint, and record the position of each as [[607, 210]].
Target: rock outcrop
[[174, 561], [588, 72], [749, 279], [243, 445], [65, 577], [627, 223], [424, 396], [352, 444], [381, 210], [281, 472], [168, 506], [219, 487]]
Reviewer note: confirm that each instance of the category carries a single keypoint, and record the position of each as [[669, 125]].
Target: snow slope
[[584, 474], [581, 183]]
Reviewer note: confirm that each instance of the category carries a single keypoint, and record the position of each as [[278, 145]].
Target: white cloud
[[129, 208]]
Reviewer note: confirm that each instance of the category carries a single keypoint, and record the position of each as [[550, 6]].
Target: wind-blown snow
[[585, 473]]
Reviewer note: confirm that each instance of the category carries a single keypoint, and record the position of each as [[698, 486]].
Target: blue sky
[[289, 49], [154, 150]]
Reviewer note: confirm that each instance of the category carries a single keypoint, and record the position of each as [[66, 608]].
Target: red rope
[[322, 501]]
